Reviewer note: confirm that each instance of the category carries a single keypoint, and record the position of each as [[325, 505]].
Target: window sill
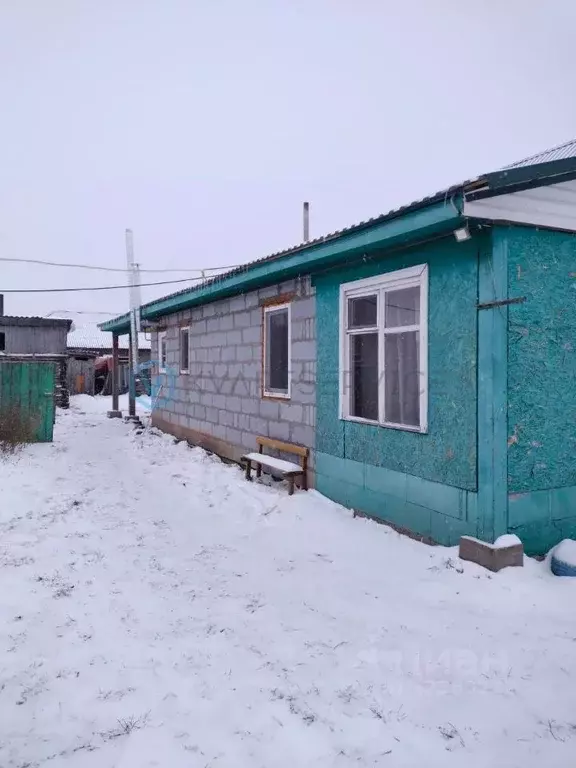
[[184, 373], [275, 396], [385, 424]]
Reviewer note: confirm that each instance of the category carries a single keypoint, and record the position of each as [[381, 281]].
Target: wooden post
[[131, 382], [115, 413]]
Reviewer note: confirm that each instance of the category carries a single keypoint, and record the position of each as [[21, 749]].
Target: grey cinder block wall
[[219, 404]]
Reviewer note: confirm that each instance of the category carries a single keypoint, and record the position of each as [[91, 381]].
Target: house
[[42, 338], [426, 356], [89, 360]]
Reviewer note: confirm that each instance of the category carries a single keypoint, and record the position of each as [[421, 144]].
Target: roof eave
[[410, 227]]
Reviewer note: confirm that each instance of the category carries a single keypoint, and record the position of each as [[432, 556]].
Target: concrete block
[[233, 436], [256, 317], [280, 430], [209, 310], [302, 435], [242, 421], [291, 412], [244, 352], [241, 387], [259, 426], [226, 418], [227, 323], [238, 303], [233, 338], [214, 354], [268, 292], [219, 401], [303, 308], [491, 556], [228, 353], [309, 415], [233, 404], [269, 409], [304, 350], [200, 412], [251, 299], [252, 335], [249, 405], [242, 319]]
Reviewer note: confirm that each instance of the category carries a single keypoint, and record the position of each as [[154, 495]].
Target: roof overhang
[[431, 220]]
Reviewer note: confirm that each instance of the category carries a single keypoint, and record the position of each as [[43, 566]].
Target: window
[[384, 349], [184, 350], [2, 342], [162, 351], [277, 351]]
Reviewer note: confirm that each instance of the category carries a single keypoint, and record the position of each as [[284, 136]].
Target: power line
[[97, 288], [108, 269]]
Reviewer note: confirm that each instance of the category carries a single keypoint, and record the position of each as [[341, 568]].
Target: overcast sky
[[204, 124]]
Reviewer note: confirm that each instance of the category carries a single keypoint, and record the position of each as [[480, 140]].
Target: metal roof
[[561, 152], [34, 322], [91, 337]]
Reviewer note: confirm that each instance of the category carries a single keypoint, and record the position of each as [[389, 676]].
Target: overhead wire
[[45, 263], [96, 288]]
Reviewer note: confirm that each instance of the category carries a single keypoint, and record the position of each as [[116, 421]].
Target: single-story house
[[89, 360], [36, 338], [426, 357]]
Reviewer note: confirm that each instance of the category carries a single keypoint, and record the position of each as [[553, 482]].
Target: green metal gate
[[27, 397]]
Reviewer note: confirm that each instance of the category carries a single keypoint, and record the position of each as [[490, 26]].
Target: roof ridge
[[542, 152]]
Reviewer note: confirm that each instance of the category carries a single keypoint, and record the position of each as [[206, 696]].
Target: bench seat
[[285, 467]]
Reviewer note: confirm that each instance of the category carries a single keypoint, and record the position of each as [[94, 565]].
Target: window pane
[[184, 350], [402, 365], [163, 351], [403, 307], [277, 351], [364, 375], [362, 312]]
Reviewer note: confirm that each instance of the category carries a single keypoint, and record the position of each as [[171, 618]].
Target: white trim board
[[549, 206]]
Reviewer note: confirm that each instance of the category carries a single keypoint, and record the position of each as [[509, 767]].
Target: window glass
[[403, 307], [277, 352], [364, 376], [362, 311]]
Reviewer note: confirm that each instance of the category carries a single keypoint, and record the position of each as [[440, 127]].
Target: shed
[[90, 353], [42, 338]]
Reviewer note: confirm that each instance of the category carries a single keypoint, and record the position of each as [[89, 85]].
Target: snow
[[158, 610], [566, 552], [507, 540], [273, 462]]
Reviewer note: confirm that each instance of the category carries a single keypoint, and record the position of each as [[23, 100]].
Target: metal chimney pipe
[[306, 213]]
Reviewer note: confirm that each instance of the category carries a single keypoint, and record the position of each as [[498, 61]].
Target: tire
[[560, 568]]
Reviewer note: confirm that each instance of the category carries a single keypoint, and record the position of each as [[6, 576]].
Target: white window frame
[[161, 339], [381, 284], [180, 330], [268, 310]]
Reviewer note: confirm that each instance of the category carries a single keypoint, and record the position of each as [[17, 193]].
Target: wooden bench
[[286, 469]]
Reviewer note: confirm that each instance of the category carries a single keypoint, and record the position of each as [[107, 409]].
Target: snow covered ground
[[158, 610]]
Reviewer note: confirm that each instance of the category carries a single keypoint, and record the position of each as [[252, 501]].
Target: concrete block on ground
[[491, 556]]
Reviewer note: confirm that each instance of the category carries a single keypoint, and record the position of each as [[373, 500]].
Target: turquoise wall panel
[[440, 512], [447, 454], [541, 359], [492, 387], [543, 518]]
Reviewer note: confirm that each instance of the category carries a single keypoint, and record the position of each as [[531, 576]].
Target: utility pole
[[133, 276]]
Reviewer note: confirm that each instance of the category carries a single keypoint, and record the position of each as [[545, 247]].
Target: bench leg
[[258, 470], [248, 470], [291, 485]]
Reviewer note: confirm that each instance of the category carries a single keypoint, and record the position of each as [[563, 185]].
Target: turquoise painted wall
[[541, 360], [447, 454], [541, 386]]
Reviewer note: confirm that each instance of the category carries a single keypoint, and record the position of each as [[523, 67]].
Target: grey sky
[[204, 124]]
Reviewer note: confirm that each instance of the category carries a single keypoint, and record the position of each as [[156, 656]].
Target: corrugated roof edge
[[34, 322], [497, 178], [425, 201]]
